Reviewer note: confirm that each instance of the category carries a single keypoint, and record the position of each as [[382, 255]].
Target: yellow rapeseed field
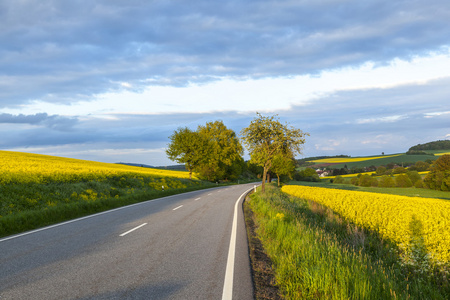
[[18, 167], [443, 153], [390, 215], [341, 160]]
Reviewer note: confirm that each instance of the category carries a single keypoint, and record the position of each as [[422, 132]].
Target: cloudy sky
[[111, 80]]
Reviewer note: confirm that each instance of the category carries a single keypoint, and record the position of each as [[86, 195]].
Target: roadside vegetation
[[320, 252], [39, 190]]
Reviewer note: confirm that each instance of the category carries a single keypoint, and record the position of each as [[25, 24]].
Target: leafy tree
[[267, 136], [422, 166], [414, 176], [403, 180], [381, 170], [225, 156], [365, 180], [188, 147], [439, 176], [283, 164], [386, 181], [338, 179], [399, 170]]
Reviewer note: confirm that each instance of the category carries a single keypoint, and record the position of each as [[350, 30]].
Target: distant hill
[[436, 145], [173, 167]]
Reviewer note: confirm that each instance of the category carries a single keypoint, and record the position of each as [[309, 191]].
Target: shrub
[[354, 180], [365, 180], [386, 181], [414, 176], [338, 179], [439, 176], [403, 180], [399, 170], [381, 170], [418, 184]]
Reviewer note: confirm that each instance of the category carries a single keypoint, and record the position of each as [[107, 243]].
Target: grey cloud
[[66, 51], [52, 121]]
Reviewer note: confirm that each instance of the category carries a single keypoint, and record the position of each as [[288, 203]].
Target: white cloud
[[249, 95]]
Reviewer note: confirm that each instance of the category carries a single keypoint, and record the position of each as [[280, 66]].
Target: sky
[[111, 80]]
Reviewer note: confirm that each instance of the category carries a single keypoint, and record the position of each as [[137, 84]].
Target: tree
[[386, 181], [283, 164], [439, 176], [381, 170], [225, 156], [188, 147], [403, 180], [265, 137]]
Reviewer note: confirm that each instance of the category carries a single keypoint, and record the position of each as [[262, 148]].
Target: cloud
[[53, 121], [65, 52]]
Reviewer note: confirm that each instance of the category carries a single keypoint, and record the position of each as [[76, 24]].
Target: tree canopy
[[213, 150], [188, 147], [267, 137]]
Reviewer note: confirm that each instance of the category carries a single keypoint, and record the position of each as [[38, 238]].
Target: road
[[176, 247]]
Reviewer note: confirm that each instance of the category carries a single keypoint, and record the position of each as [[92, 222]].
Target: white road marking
[[178, 207], [90, 216], [125, 233], [229, 273], [209, 194], [198, 199]]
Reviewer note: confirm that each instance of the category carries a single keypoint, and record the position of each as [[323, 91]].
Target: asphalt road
[[177, 247]]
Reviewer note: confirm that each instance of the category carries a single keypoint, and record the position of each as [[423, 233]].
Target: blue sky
[[111, 80]]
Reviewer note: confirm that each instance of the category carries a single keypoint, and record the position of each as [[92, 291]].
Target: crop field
[[392, 216], [38, 190], [17, 167], [317, 252], [381, 160], [341, 160]]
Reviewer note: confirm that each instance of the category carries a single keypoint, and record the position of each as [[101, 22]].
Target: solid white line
[[227, 293], [125, 233], [178, 207]]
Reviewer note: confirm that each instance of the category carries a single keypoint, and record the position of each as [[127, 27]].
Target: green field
[[380, 160]]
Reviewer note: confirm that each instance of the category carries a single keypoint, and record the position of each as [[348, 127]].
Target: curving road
[[176, 247]]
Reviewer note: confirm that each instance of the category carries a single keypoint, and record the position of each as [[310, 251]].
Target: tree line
[[215, 152]]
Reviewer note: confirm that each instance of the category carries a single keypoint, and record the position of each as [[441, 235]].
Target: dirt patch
[[262, 272]]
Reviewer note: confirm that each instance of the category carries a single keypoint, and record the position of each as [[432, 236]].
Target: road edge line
[[227, 293]]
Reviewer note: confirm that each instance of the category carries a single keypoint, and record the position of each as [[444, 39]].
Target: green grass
[[411, 192], [26, 206], [317, 255]]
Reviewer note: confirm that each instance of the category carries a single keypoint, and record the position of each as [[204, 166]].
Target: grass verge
[[263, 273], [318, 255], [29, 206]]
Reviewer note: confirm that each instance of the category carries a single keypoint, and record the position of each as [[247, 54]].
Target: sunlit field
[[340, 160], [38, 190], [333, 244], [390, 215], [17, 167]]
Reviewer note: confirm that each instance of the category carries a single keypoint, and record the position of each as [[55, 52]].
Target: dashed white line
[[125, 233], [209, 194], [198, 199], [178, 207]]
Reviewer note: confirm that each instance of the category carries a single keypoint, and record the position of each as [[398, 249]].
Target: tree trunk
[[263, 185], [278, 176]]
